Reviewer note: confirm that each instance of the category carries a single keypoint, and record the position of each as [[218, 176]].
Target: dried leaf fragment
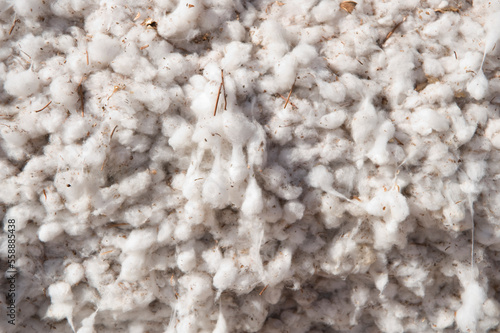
[[149, 23], [348, 6]]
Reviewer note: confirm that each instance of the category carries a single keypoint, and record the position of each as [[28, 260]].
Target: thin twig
[[87, 53], [289, 94], [104, 163], [291, 103], [217, 100], [113, 132], [46, 105], [223, 87], [13, 25], [393, 30], [262, 291], [45, 194]]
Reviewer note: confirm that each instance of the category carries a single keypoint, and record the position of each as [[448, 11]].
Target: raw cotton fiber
[[251, 166]]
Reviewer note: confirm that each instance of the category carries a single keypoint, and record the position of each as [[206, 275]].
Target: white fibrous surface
[[251, 166]]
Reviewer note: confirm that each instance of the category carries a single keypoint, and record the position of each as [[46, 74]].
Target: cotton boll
[[236, 54], [470, 312], [333, 120], [186, 260], [293, 211], [182, 20], [274, 38], [135, 185], [194, 212], [132, 268], [492, 27], [237, 128], [197, 286], [304, 54], [75, 128], [103, 49], [256, 147], [424, 120], [49, 231], [63, 92], [334, 91], [379, 154], [491, 308], [284, 75], [493, 132], [213, 259], [165, 233], [326, 11], [238, 170], [88, 324], [234, 30], [476, 114], [62, 302], [475, 169], [226, 275], [29, 8], [478, 86], [253, 202], [74, 273], [320, 177], [364, 122], [140, 240], [221, 326], [22, 84], [215, 188]]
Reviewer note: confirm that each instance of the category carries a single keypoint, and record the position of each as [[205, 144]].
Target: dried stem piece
[[262, 291], [13, 25], [46, 105], [80, 92], [289, 94], [217, 100], [393, 30], [113, 132], [224, 88]]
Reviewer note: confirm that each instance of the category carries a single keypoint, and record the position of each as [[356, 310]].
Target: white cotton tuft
[[379, 154], [469, 313], [493, 132], [333, 119], [49, 231], [492, 27], [103, 49], [236, 54], [62, 91], [221, 326], [215, 188], [181, 20], [74, 273], [237, 127], [140, 240], [226, 274], [253, 203], [425, 120], [238, 170], [478, 86], [320, 177], [186, 260], [22, 84], [62, 302]]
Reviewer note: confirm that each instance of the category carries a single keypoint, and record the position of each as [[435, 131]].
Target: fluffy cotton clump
[[251, 166]]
